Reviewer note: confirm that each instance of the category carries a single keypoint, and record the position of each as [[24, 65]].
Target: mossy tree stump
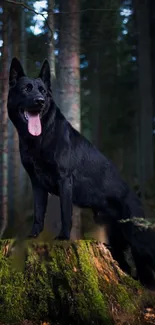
[[68, 283]]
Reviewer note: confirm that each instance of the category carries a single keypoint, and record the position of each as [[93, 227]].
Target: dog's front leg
[[40, 205], [65, 193]]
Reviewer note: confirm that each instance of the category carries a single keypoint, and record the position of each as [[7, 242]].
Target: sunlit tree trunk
[[69, 75], [4, 121], [145, 93]]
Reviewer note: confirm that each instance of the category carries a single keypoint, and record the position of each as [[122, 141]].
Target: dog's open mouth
[[34, 123]]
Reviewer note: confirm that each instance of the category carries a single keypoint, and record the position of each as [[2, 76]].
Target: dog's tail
[[139, 234]]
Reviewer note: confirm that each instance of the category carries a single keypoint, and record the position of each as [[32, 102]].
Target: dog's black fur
[[61, 161]]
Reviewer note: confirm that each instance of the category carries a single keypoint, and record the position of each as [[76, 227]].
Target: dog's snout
[[39, 101]]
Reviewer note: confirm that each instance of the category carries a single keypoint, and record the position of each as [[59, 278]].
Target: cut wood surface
[[70, 283]]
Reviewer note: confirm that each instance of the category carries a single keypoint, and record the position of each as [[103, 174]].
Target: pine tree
[[69, 75]]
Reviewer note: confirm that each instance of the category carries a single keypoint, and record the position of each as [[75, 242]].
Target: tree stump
[[68, 283]]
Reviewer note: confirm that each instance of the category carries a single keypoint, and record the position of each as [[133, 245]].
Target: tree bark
[[95, 96], [16, 174], [4, 121], [145, 93], [51, 54], [15, 16], [22, 44], [23, 179], [69, 62], [68, 283], [69, 76]]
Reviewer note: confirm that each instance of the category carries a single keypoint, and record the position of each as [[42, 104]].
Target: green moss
[[77, 284], [53, 261], [89, 293], [12, 292], [38, 289], [60, 283], [131, 283], [124, 299]]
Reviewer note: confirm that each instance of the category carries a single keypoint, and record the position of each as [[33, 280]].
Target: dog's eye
[[28, 87], [42, 90]]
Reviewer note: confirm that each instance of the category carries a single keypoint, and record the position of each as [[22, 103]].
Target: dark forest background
[[102, 59]]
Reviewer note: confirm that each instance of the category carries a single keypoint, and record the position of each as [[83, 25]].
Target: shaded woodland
[[102, 62], [101, 55]]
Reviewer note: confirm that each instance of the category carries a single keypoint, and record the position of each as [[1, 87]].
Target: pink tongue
[[34, 124]]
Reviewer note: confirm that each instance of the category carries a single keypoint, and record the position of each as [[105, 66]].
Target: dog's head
[[28, 99]]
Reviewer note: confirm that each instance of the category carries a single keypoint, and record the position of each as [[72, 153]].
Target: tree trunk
[[70, 283], [51, 55], [145, 93], [69, 76], [22, 45], [69, 62], [15, 15], [95, 96], [4, 121], [23, 178]]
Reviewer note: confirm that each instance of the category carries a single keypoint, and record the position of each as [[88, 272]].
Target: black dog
[[61, 161]]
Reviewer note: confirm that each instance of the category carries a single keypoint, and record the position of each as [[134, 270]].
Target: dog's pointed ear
[[16, 72], [45, 74]]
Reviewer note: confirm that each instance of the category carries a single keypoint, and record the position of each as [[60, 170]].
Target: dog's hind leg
[[116, 243], [118, 246], [145, 269]]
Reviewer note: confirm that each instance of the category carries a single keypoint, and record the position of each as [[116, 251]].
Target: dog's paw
[[33, 235], [36, 230]]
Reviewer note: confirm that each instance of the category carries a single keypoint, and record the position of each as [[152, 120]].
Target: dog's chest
[[43, 173], [42, 168]]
